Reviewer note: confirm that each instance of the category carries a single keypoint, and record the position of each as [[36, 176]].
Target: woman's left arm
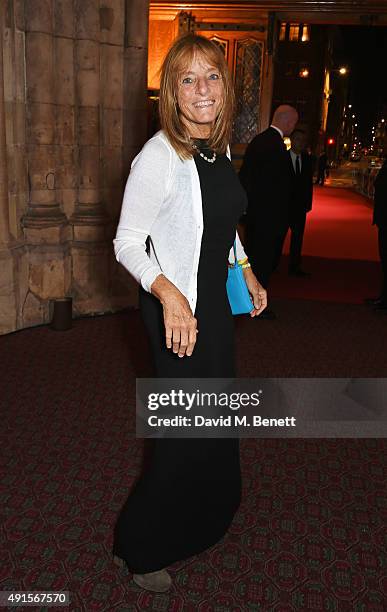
[[257, 292]]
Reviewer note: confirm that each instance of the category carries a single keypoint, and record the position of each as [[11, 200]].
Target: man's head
[[285, 118], [298, 141]]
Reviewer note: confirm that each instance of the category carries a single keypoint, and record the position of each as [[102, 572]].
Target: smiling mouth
[[204, 103]]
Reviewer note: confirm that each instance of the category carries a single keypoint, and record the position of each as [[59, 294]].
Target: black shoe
[[372, 301], [266, 314], [300, 273], [381, 307]]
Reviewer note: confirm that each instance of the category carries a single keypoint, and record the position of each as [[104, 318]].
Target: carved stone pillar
[[44, 220], [135, 75], [134, 129], [4, 213], [89, 219], [8, 307]]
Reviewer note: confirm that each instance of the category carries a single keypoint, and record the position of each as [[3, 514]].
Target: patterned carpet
[[311, 530]]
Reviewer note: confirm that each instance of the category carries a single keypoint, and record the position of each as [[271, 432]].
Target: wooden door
[[244, 52]]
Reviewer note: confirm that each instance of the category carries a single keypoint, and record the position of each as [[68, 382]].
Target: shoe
[[372, 301], [158, 582], [266, 314], [381, 307], [300, 273]]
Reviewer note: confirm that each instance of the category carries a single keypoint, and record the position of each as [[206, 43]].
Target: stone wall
[[73, 113]]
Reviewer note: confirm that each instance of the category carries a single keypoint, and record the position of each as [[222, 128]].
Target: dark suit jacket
[[265, 175], [322, 162], [302, 188], [380, 197]]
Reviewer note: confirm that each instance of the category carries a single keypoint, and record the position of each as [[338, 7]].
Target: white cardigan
[[162, 200]]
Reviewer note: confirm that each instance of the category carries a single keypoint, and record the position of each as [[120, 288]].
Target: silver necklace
[[210, 160]]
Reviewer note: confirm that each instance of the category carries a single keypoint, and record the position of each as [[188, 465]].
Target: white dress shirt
[[280, 132], [294, 156], [163, 200]]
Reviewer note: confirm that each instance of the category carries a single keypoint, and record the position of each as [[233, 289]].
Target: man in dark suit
[[322, 164], [301, 165], [265, 175], [380, 220]]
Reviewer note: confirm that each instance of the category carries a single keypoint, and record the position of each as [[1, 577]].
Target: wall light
[[287, 142]]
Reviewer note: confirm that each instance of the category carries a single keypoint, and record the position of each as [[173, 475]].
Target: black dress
[[186, 499]]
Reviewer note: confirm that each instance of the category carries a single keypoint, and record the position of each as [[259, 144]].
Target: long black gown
[[186, 499]]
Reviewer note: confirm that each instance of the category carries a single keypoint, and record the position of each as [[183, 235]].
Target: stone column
[[44, 220], [4, 212], [135, 78], [134, 127], [8, 302], [89, 218]]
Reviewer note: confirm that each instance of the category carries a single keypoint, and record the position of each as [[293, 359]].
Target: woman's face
[[199, 96]]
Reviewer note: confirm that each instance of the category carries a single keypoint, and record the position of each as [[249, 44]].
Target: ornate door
[[244, 52], [245, 48]]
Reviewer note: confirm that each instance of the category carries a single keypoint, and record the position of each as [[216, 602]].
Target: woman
[[183, 193]]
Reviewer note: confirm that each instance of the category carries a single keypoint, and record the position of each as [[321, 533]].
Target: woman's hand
[[180, 324], [257, 292]]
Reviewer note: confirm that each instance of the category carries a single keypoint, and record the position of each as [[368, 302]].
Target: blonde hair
[[179, 56]]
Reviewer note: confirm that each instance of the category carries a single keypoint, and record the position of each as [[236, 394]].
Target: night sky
[[364, 50]]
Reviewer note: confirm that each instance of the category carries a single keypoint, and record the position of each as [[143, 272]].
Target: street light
[[343, 70]]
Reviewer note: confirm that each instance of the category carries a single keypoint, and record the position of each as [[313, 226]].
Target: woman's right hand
[[180, 324]]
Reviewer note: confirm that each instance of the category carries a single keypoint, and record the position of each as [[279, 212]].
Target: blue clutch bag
[[237, 292]]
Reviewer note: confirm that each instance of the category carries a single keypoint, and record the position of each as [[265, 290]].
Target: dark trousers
[[262, 249], [297, 228], [320, 176], [382, 241]]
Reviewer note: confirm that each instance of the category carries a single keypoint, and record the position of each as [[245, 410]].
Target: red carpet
[[340, 251], [340, 226]]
